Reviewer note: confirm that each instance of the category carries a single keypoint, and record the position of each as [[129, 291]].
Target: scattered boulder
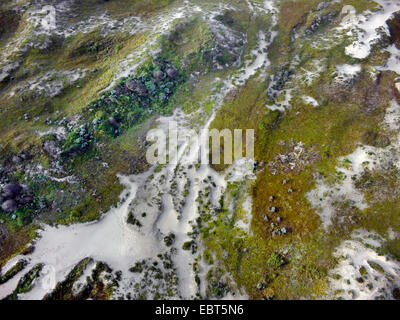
[[172, 73], [137, 87], [159, 75], [12, 190], [16, 160], [9, 206], [25, 200]]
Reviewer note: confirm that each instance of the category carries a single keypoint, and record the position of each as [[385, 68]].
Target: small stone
[[279, 219], [260, 286], [290, 190], [273, 209], [266, 218], [285, 181], [271, 198]]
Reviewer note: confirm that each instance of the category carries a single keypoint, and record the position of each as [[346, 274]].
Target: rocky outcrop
[[13, 197], [394, 28]]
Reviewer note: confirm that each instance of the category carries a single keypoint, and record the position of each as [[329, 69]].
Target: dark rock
[[16, 160], [121, 89], [28, 250], [172, 73], [25, 200], [9, 206], [113, 122], [137, 87], [279, 81], [159, 75], [320, 21], [12, 190]]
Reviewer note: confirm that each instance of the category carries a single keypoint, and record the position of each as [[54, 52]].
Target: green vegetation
[[19, 266], [288, 254], [26, 282], [346, 115], [95, 288]]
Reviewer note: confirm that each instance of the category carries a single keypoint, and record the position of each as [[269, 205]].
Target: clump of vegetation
[[136, 98], [375, 139], [190, 246], [276, 260], [137, 268], [376, 266], [78, 141], [133, 221], [169, 239]]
